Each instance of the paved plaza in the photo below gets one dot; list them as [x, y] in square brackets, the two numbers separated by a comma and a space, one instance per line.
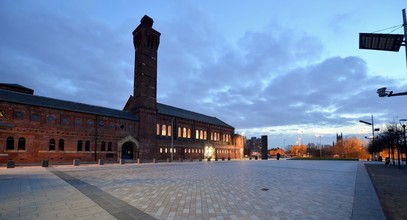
[240, 189]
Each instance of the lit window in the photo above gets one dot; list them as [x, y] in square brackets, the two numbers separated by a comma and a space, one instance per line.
[196, 134]
[184, 132]
[169, 130]
[164, 130]
[204, 137]
[189, 133]
[161, 150]
[201, 134]
[179, 132]
[175, 150]
[165, 150]
[158, 129]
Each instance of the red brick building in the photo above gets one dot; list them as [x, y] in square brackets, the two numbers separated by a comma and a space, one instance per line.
[35, 128]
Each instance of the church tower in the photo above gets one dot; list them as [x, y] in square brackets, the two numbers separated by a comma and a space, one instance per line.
[143, 103]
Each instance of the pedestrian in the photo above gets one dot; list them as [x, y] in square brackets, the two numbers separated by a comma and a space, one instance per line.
[278, 156]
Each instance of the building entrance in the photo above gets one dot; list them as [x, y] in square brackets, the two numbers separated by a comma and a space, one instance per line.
[127, 151]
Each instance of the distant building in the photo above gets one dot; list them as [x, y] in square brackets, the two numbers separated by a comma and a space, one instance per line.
[257, 147]
[35, 128]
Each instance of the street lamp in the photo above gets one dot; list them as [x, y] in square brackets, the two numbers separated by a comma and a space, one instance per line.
[403, 123]
[385, 42]
[373, 130]
[382, 92]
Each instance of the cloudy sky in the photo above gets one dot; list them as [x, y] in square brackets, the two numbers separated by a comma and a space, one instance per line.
[286, 69]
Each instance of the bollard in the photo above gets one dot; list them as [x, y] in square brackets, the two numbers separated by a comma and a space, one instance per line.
[101, 162]
[76, 162]
[44, 163]
[138, 161]
[10, 164]
[154, 160]
[168, 160]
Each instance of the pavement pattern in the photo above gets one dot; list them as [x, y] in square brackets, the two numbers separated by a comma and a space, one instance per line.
[239, 189]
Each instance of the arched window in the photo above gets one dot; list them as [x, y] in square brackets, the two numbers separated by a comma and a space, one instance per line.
[109, 146]
[51, 145]
[87, 146]
[103, 146]
[197, 134]
[158, 129]
[61, 145]
[10, 143]
[189, 133]
[79, 146]
[164, 130]
[21, 143]
[204, 137]
[184, 132]
[179, 132]
[169, 130]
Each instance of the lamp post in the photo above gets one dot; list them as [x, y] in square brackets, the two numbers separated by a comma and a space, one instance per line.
[372, 124]
[385, 42]
[403, 123]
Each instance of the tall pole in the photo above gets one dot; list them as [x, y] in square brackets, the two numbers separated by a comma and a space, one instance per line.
[405, 31]
[405, 144]
[172, 139]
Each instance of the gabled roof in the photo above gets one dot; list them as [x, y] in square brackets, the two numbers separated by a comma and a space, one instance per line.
[182, 113]
[21, 98]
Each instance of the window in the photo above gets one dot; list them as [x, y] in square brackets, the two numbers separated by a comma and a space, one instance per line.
[79, 146]
[197, 134]
[204, 136]
[10, 143]
[2, 113]
[189, 133]
[103, 146]
[65, 120]
[61, 145]
[21, 143]
[161, 150]
[78, 121]
[51, 118]
[91, 122]
[169, 133]
[179, 132]
[87, 146]
[109, 146]
[158, 129]
[51, 145]
[35, 117]
[164, 130]
[184, 132]
[19, 115]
